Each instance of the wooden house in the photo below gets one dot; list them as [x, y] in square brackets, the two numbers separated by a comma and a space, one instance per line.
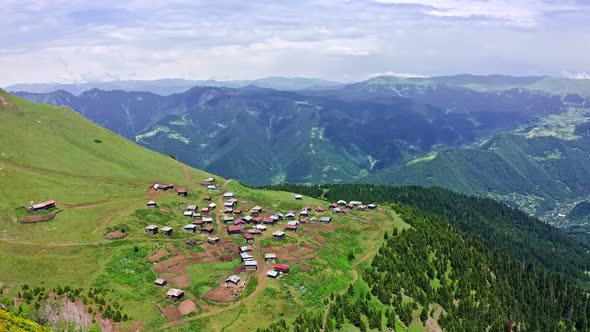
[198, 223]
[278, 235]
[161, 282]
[167, 230]
[152, 229]
[207, 198]
[182, 192]
[249, 238]
[291, 228]
[270, 257]
[251, 265]
[245, 248]
[272, 273]
[163, 187]
[281, 268]
[190, 228]
[232, 230]
[175, 294]
[372, 206]
[207, 220]
[303, 213]
[190, 242]
[246, 256]
[151, 204]
[247, 219]
[255, 231]
[188, 213]
[228, 195]
[228, 219]
[191, 207]
[237, 211]
[326, 219]
[207, 229]
[213, 239]
[233, 279]
[320, 209]
[298, 197]
[341, 202]
[260, 227]
[43, 205]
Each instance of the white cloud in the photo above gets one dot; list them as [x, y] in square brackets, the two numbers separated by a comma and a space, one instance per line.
[396, 74]
[77, 40]
[575, 76]
[521, 12]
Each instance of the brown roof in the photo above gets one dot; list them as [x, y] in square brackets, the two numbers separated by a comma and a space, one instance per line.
[234, 228]
[181, 190]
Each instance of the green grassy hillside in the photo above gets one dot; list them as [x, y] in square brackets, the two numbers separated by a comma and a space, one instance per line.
[101, 183]
[70, 273]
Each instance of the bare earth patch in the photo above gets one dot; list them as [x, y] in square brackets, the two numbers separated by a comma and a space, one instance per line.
[304, 267]
[34, 219]
[4, 102]
[118, 234]
[186, 307]
[220, 294]
[180, 281]
[177, 269]
[170, 312]
[319, 239]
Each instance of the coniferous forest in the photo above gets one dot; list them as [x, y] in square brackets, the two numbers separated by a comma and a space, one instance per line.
[471, 263]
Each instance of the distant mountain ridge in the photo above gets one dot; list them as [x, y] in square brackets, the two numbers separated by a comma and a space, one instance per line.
[261, 135]
[170, 86]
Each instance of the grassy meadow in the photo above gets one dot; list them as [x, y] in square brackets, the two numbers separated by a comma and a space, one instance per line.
[102, 182]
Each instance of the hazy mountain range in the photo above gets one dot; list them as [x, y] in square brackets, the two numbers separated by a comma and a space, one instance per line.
[428, 131]
[170, 86]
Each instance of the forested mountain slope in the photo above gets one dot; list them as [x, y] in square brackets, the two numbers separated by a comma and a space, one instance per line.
[262, 136]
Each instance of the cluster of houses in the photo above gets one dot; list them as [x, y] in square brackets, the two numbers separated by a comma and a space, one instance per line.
[252, 265]
[257, 221]
[173, 294]
[153, 230]
[342, 206]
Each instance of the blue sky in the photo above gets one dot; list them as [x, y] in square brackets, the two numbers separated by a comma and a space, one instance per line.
[80, 41]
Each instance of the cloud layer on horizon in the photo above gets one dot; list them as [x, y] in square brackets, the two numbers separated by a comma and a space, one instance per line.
[76, 40]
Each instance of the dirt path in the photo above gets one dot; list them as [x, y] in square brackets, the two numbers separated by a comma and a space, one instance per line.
[219, 212]
[187, 174]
